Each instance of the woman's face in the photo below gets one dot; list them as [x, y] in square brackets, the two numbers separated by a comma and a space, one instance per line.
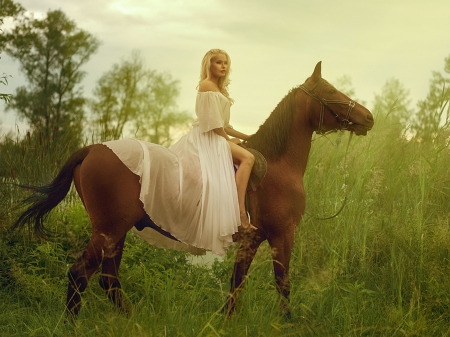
[219, 66]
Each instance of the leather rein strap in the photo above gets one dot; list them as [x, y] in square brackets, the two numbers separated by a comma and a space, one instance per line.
[344, 123]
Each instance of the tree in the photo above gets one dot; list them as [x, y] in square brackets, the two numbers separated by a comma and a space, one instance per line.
[51, 52]
[393, 103]
[10, 8]
[7, 8]
[430, 115]
[116, 97]
[137, 99]
[158, 112]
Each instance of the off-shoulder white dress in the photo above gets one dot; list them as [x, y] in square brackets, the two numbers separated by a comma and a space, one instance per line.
[189, 189]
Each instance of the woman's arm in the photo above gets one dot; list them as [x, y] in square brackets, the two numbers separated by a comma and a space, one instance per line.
[226, 132]
[234, 133]
[221, 132]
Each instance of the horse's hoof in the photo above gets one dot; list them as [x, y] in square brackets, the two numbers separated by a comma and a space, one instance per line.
[127, 310]
[287, 316]
[71, 318]
[228, 309]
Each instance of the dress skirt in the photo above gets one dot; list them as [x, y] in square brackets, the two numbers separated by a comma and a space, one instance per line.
[188, 190]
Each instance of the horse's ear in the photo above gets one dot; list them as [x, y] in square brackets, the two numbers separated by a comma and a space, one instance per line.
[317, 74]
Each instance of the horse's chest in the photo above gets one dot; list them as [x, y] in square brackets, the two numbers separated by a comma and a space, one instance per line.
[286, 182]
[281, 198]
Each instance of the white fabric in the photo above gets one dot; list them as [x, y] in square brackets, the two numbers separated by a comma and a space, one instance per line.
[188, 189]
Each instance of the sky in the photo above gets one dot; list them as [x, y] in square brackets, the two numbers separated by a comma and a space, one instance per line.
[273, 44]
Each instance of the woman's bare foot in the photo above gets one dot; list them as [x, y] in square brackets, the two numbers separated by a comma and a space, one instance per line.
[245, 223]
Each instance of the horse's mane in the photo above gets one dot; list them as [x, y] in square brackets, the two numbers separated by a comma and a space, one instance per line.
[272, 136]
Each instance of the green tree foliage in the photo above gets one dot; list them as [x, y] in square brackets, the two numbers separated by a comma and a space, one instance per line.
[51, 52]
[393, 103]
[434, 110]
[7, 8]
[142, 101]
[158, 112]
[10, 8]
[116, 97]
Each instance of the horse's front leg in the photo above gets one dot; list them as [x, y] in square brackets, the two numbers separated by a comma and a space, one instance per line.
[281, 245]
[248, 245]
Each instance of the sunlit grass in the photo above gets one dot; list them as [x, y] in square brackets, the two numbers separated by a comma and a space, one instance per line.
[380, 268]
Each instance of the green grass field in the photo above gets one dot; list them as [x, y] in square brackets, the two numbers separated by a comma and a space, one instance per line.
[380, 268]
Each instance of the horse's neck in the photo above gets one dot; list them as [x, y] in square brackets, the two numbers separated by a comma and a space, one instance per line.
[299, 144]
[298, 152]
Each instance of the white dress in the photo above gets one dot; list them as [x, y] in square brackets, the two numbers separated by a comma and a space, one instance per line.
[189, 189]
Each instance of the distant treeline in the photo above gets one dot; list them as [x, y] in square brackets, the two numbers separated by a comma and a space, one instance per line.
[128, 99]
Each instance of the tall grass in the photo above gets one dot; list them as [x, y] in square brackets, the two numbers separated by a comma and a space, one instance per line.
[28, 159]
[386, 256]
[380, 268]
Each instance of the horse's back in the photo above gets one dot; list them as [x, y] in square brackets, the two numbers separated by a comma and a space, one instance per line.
[129, 151]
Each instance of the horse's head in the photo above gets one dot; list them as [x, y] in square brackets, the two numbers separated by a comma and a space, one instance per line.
[331, 110]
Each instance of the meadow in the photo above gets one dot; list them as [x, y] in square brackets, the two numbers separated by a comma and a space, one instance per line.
[380, 268]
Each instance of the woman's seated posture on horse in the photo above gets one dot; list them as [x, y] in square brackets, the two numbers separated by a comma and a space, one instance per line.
[191, 190]
[214, 78]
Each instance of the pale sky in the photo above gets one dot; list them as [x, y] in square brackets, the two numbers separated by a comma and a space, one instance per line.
[274, 44]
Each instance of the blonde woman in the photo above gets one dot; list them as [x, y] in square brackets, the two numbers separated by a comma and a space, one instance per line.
[214, 80]
[191, 190]
[210, 142]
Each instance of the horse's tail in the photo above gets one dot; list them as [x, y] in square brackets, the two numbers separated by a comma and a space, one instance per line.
[45, 198]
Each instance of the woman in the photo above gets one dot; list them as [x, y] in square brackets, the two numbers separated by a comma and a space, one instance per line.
[214, 78]
[209, 142]
[191, 190]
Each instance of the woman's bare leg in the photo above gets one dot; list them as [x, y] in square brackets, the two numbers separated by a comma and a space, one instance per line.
[245, 160]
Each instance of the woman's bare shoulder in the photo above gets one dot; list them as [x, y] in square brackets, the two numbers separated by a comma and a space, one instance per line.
[207, 85]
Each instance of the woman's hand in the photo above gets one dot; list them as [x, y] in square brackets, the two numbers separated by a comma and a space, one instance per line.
[235, 141]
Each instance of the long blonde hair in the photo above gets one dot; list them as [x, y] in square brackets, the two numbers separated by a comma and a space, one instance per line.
[205, 71]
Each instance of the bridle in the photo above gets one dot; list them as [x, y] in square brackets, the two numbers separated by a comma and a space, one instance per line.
[344, 123]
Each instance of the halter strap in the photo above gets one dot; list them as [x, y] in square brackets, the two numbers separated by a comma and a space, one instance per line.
[344, 123]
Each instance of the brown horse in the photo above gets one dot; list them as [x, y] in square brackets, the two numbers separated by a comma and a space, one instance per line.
[110, 191]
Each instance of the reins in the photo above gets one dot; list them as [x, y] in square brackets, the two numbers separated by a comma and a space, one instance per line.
[344, 124]
[344, 184]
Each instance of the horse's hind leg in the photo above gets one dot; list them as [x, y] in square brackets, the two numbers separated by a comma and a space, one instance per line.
[81, 271]
[248, 246]
[109, 278]
[110, 193]
[102, 247]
